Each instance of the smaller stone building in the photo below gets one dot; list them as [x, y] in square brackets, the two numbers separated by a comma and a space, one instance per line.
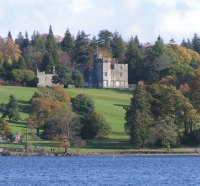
[45, 79]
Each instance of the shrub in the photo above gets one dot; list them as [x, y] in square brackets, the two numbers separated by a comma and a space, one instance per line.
[83, 104]
[94, 125]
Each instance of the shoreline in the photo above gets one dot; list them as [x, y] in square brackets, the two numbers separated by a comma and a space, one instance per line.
[7, 152]
[142, 154]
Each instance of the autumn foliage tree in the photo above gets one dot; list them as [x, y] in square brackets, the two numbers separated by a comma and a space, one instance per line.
[52, 112]
[45, 102]
[160, 115]
[63, 126]
[9, 50]
[42, 109]
[54, 92]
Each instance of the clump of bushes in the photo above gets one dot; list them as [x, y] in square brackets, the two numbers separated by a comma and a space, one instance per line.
[93, 124]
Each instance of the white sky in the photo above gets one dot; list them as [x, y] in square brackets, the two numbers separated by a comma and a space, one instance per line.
[146, 18]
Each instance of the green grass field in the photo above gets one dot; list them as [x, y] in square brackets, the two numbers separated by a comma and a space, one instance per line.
[108, 102]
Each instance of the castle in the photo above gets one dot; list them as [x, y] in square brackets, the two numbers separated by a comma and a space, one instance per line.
[107, 73]
[45, 79]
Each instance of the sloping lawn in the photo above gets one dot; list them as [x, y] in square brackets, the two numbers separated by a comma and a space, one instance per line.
[109, 102]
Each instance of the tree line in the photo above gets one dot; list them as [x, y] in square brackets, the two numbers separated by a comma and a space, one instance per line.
[20, 58]
[164, 110]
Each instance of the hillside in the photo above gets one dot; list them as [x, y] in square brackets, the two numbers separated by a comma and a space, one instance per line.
[109, 102]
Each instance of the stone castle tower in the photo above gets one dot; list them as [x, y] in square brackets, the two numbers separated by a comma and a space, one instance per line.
[45, 79]
[107, 73]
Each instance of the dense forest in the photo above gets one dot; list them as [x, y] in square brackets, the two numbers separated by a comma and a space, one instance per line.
[164, 110]
[20, 58]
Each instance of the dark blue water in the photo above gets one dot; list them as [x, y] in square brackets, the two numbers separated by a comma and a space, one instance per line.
[136, 171]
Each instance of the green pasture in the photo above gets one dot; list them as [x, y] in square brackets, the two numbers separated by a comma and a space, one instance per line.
[109, 102]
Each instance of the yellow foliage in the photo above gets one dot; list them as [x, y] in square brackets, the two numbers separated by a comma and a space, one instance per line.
[46, 107]
[197, 72]
[105, 53]
[9, 50]
[101, 53]
[9, 61]
[61, 95]
[167, 80]
[185, 55]
[141, 84]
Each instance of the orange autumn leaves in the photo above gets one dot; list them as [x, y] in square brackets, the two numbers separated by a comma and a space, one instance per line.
[47, 107]
[46, 103]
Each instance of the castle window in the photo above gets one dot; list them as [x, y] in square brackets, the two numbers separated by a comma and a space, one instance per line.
[121, 74]
[106, 73]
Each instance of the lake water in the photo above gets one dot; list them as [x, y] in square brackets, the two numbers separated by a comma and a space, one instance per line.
[136, 171]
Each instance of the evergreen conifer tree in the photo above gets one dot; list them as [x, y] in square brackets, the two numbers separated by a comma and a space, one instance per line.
[196, 43]
[12, 109]
[138, 117]
[9, 35]
[52, 49]
[26, 40]
[81, 50]
[104, 39]
[20, 40]
[67, 43]
[117, 45]
[134, 61]
[21, 64]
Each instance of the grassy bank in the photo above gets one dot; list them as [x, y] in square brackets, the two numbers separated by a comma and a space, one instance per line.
[108, 102]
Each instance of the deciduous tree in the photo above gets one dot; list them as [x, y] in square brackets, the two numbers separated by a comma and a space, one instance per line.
[42, 109]
[63, 126]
